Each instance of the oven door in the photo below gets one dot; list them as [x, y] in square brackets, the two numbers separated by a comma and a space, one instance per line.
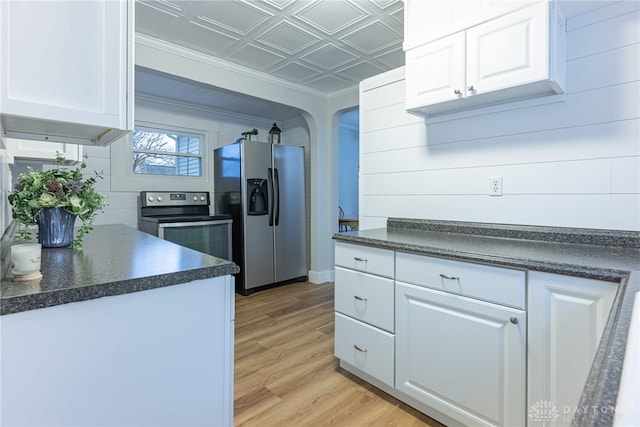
[210, 237]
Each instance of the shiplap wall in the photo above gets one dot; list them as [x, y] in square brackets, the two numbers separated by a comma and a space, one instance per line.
[570, 160]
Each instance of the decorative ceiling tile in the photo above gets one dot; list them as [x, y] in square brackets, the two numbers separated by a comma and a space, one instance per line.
[151, 20]
[331, 16]
[398, 15]
[296, 72]
[328, 84]
[330, 44]
[255, 57]
[199, 37]
[372, 38]
[279, 4]
[288, 38]
[392, 58]
[233, 15]
[360, 71]
[329, 57]
[383, 4]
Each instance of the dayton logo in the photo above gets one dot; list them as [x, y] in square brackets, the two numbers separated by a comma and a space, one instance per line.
[543, 411]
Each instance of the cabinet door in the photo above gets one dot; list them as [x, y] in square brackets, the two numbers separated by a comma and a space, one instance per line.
[566, 318]
[26, 149]
[435, 72]
[463, 357]
[66, 62]
[508, 51]
[426, 21]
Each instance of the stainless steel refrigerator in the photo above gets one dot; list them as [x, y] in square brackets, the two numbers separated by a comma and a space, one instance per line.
[262, 187]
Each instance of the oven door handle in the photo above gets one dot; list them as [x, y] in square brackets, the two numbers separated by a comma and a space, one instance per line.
[270, 195]
[193, 223]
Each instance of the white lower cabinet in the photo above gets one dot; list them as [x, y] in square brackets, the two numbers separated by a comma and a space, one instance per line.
[465, 358]
[364, 322]
[365, 347]
[466, 343]
[365, 297]
[567, 316]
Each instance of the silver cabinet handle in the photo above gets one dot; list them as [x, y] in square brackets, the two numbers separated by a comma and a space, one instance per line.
[471, 88]
[360, 259]
[448, 277]
[363, 350]
[457, 92]
[513, 320]
[359, 298]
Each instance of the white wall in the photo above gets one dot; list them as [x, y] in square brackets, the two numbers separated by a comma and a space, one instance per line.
[571, 163]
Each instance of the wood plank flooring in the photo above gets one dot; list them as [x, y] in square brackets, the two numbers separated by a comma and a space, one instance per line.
[286, 373]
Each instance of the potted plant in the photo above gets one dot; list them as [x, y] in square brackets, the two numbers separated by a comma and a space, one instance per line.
[52, 200]
[247, 134]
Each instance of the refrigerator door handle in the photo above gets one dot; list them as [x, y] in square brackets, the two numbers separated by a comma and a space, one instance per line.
[273, 194]
[276, 186]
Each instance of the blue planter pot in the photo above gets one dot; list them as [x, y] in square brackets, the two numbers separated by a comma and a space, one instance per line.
[55, 227]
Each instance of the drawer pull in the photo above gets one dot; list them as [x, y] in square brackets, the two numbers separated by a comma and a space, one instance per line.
[363, 350]
[360, 259]
[359, 298]
[448, 277]
[514, 320]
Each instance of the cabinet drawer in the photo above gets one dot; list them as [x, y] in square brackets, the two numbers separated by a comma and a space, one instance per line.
[365, 347]
[364, 258]
[495, 284]
[365, 297]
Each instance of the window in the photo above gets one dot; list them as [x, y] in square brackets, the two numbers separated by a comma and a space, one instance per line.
[161, 152]
[171, 149]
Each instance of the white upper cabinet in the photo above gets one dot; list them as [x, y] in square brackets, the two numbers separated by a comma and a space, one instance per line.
[426, 21]
[45, 151]
[435, 72]
[66, 73]
[516, 56]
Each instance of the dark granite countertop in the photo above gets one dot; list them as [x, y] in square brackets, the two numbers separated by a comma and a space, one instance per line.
[598, 254]
[115, 260]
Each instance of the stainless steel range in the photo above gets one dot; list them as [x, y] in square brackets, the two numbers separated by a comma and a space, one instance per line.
[184, 218]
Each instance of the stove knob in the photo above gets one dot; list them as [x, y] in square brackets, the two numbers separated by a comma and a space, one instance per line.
[150, 198]
[195, 198]
[159, 198]
[202, 198]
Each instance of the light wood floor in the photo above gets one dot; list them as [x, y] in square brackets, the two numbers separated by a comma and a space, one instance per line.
[286, 373]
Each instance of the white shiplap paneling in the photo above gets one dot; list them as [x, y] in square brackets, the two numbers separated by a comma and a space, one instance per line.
[572, 161]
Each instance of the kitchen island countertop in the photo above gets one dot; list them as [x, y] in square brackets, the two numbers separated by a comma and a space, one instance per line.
[115, 260]
[596, 254]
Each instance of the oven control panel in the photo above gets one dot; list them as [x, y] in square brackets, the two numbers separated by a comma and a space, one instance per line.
[174, 198]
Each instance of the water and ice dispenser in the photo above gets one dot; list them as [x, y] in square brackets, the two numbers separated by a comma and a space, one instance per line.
[257, 196]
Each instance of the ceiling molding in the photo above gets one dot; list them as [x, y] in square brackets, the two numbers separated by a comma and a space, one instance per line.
[175, 49]
[217, 112]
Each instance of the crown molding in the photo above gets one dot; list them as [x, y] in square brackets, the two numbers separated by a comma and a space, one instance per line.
[218, 113]
[191, 54]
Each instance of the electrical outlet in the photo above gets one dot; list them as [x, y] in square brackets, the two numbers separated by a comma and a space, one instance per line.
[495, 186]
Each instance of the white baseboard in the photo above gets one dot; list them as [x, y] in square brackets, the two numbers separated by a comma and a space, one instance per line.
[318, 277]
